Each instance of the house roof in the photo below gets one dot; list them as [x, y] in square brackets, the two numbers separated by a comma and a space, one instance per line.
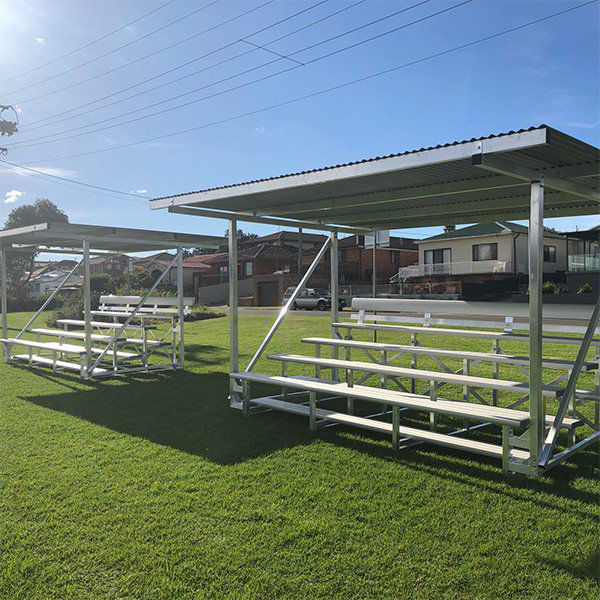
[288, 236]
[263, 251]
[484, 179]
[483, 229]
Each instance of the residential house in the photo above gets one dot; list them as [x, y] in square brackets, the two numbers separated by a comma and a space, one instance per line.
[481, 258]
[50, 279]
[355, 261]
[109, 264]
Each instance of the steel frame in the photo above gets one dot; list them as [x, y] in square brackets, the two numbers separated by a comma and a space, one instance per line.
[81, 240]
[520, 193]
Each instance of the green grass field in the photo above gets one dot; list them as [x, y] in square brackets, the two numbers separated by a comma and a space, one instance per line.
[152, 488]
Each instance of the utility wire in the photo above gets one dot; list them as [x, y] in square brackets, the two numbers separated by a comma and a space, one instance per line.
[185, 64]
[89, 185]
[141, 58]
[50, 62]
[329, 89]
[36, 141]
[135, 41]
[43, 177]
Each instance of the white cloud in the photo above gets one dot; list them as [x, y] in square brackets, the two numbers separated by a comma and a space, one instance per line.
[583, 124]
[138, 191]
[58, 172]
[259, 130]
[40, 40]
[12, 196]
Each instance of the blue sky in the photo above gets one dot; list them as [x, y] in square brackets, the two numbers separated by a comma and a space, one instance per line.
[547, 73]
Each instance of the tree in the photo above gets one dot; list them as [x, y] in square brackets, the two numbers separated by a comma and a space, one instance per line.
[242, 236]
[19, 265]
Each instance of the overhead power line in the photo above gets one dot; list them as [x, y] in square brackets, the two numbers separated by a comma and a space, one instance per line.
[72, 181]
[135, 41]
[329, 89]
[44, 139]
[187, 63]
[54, 60]
[141, 58]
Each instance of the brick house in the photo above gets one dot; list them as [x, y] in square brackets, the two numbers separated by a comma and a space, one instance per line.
[355, 262]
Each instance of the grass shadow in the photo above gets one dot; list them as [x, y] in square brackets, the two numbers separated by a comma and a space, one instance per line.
[186, 411]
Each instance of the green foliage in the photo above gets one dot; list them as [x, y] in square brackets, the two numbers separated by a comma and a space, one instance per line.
[585, 288]
[20, 265]
[200, 312]
[34, 304]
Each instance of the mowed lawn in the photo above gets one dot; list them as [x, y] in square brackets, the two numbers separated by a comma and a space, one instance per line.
[152, 488]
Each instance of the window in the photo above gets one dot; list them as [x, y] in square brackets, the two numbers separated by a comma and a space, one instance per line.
[248, 268]
[224, 270]
[394, 257]
[440, 255]
[550, 254]
[485, 252]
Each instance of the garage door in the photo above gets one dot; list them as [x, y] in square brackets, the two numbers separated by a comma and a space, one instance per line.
[268, 293]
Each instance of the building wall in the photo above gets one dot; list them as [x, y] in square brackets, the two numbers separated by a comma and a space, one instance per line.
[462, 250]
[523, 254]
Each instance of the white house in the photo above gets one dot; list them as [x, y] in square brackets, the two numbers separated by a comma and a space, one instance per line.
[47, 282]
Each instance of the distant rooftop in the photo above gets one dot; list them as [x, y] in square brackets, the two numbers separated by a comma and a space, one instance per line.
[481, 229]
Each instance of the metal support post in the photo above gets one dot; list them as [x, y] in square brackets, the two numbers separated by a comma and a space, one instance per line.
[374, 273]
[87, 308]
[536, 272]
[4, 301]
[283, 311]
[233, 295]
[300, 254]
[335, 293]
[181, 308]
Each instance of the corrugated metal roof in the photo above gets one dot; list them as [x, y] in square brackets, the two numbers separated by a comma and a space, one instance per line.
[450, 183]
[114, 239]
[356, 162]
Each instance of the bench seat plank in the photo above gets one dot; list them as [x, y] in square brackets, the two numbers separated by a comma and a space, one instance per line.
[139, 314]
[52, 346]
[451, 378]
[493, 414]
[554, 339]
[63, 364]
[552, 363]
[102, 324]
[97, 337]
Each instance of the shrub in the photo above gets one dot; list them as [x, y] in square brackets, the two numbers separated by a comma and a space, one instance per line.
[201, 312]
[585, 288]
[34, 304]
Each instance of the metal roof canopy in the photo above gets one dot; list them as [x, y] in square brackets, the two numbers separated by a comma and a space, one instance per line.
[479, 180]
[69, 237]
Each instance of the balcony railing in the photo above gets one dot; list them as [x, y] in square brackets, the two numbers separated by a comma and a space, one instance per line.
[457, 268]
[584, 262]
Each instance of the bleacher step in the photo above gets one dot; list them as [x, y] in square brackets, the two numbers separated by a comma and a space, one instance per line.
[386, 428]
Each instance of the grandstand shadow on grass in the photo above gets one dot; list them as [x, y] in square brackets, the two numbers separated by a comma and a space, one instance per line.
[186, 411]
[190, 412]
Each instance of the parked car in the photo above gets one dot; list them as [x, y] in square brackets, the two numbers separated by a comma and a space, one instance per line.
[311, 298]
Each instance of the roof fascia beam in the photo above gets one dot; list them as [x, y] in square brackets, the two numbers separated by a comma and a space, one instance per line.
[506, 167]
[200, 212]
